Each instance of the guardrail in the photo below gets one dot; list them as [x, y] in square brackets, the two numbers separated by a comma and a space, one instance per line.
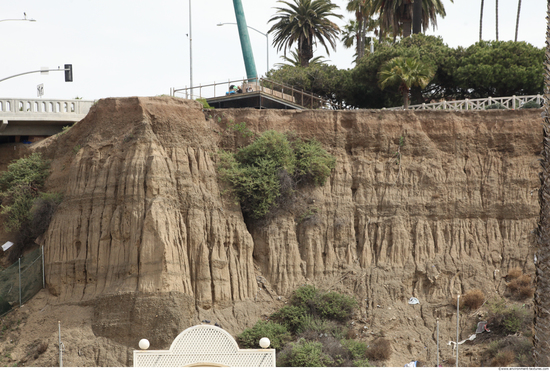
[17, 106]
[274, 88]
[512, 102]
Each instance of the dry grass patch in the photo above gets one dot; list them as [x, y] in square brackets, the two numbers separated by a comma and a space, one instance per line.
[473, 299]
[514, 273]
[503, 359]
[521, 286]
[379, 350]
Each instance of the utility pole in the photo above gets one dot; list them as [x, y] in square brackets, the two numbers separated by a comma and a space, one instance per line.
[190, 52]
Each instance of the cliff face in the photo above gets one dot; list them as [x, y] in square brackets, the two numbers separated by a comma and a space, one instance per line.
[424, 204]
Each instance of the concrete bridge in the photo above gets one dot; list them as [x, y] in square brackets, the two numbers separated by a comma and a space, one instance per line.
[39, 117]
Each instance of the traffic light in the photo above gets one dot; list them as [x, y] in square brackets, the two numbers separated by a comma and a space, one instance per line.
[68, 73]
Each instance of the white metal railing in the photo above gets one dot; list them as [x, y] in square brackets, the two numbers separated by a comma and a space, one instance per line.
[17, 106]
[513, 102]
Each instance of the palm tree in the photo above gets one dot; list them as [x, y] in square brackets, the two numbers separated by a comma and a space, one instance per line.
[351, 35]
[405, 72]
[481, 20]
[363, 10]
[305, 22]
[399, 13]
[294, 60]
[542, 263]
[517, 20]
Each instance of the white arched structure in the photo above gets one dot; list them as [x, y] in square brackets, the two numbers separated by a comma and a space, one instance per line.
[205, 345]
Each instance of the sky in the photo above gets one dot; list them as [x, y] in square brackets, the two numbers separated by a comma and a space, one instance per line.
[124, 48]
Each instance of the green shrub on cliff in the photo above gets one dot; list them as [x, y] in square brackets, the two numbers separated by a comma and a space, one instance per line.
[26, 209]
[308, 303]
[270, 169]
[312, 331]
[277, 334]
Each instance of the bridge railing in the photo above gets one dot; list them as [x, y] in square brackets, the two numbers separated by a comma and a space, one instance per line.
[17, 106]
[513, 102]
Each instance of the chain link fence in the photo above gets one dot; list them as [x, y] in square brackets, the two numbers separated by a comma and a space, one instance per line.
[21, 281]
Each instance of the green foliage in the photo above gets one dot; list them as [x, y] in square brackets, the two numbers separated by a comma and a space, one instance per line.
[531, 104]
[304, 353]
[204, 103]
[257, 170]
[514, 319]
[277, 334]
[305, 23]
[500, 68]
[307, 300]
[27, 210]
[356, 348]
[304, 296]
[508, 319]
[312, 161]
[318, 325]
[479, 71]
[19, 188]
[31, 171]
[323, 80]
[16, 205]
[242, 129]
[406, 73]
[363, 90]
[495, 106]
[336, 306]
[291, 316]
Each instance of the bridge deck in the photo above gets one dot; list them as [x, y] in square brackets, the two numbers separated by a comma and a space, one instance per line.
[19, 116]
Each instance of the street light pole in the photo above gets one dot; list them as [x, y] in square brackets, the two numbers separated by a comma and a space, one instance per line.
[190, 51]
[23, 19]
[266, 41]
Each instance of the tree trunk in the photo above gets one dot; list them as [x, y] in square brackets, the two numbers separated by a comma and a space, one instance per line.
[517, 20]
[406, 98]
[406, 28]
[481, 20]
[496, 17]
[416, 95]
[542, 264]
[305, 51]
[361, 36]
[417, 16]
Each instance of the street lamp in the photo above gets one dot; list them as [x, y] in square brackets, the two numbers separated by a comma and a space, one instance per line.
[22, 19]
[266, 40]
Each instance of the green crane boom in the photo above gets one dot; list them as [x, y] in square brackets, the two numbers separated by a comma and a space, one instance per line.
[245, 41]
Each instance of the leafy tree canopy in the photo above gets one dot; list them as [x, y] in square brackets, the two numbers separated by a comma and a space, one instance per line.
[484, 69]
[500, 69]
[321, 79]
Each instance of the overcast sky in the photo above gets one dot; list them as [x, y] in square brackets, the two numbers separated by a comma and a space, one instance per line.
[128, 48]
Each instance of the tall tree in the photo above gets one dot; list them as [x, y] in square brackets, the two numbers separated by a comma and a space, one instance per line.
[363, 10]
[496, 12]
[542, 264]
[354, 33]
[398, 14]
[417, 16]
[405, 72]
[305, 22]
[517, 20]
[481, 20]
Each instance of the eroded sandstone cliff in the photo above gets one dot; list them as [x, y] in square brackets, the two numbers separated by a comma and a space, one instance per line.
[423, 204]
